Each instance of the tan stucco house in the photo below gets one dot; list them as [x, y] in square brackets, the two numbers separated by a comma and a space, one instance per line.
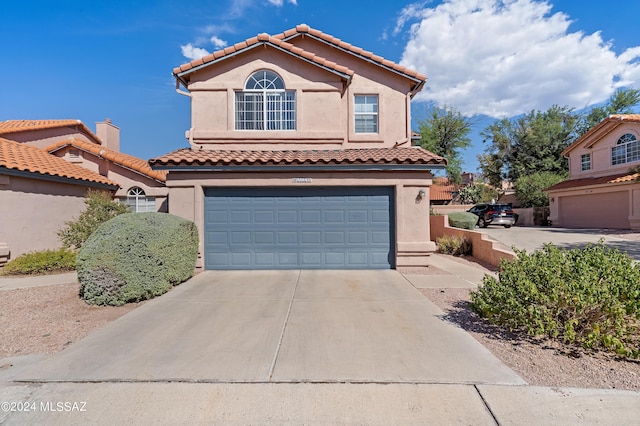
[46, 168]
[601, 191]
[300, 156]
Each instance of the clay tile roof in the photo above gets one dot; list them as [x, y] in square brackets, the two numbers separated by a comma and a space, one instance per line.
[129, 161]
[442, 189]
[14, 126]
[188, 157]
[305, 29]
[26, 158]
[592, 181]
[267, 39]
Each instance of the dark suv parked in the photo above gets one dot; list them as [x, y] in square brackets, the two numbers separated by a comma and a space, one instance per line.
[494, 214]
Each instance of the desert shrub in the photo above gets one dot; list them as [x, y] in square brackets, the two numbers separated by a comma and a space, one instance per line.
[41, 262]
[463, 220]
[100, 208]
[135, 257]
[589, 297]
[454, 245]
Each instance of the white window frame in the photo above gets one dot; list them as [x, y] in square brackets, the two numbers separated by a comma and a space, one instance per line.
[138, 202]
[627, 150]
[265, 104]
[585, 162]
[370, 117]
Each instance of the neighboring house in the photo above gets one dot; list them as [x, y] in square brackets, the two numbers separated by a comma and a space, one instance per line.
[47, 167]
[601, 192]
[39, 192]
[443, 191]
[300, 157]
[141, 188]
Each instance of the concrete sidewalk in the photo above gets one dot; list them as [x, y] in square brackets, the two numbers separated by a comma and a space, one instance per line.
[12, 283]
[192, 401]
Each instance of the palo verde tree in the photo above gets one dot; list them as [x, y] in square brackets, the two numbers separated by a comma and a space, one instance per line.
[445, 132]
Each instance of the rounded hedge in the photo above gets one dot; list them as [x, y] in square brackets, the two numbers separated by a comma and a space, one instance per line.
[136, 256]
[463, 220]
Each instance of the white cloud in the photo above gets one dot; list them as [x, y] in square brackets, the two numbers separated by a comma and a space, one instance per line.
[503, 58]
[189, 51]
[218, 43]
[279, 3]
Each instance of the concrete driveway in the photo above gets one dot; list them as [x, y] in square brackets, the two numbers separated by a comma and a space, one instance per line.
[533, 238]
[281, 326]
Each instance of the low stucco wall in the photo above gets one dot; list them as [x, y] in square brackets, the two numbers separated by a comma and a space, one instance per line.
[483, 247]
[449, 208]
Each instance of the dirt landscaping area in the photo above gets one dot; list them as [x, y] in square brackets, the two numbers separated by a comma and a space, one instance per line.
[45, 320]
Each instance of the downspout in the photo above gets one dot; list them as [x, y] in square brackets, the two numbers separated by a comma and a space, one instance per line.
[190, 138]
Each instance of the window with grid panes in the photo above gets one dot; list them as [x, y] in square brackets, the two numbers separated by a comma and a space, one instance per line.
[627, 150]
[265, 104]
[366, 113]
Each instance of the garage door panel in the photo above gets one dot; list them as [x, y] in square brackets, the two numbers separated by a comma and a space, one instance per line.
[287, 228]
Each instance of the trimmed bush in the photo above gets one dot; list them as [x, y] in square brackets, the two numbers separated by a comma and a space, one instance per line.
[137, 256]
[589, 297]
[41, 262]
[463, 220]
[454, 245]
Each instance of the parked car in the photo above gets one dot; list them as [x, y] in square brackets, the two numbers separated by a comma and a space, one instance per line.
[494, 214]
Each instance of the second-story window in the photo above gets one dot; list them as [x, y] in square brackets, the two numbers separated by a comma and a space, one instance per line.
[265, 104]
[585, 162]
[627, 150]
[366, 113]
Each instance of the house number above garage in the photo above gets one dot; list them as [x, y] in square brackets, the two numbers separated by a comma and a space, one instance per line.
[301, 180]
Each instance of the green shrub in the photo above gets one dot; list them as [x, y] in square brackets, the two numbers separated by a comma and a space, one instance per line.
[100, 208]
[454, 245]
[463, 220]
[135, 257]
[41, 262]
[589, 297]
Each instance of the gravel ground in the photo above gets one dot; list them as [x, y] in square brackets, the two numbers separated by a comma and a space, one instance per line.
[541, 362]
[44, 320]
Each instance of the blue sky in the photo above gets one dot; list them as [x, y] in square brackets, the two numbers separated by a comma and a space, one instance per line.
[489, 59]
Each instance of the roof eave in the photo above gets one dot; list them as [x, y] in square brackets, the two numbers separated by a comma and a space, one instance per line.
[54, 178]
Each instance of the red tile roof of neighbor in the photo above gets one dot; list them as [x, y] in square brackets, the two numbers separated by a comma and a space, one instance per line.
[591, 181]
[128, 161]
[15, 126]
[280, 40]
[187, 156]
[442, 190]
[26, 158]
[606, 125]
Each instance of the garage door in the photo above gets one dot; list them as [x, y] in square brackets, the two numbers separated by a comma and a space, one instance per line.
[607, 210]
[290, 228]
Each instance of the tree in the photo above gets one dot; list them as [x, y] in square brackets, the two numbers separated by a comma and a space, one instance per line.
[528, 144]
[621, 102]
[477, 193]
[530, 188]
[100, 208]
[534, 142]
[445, 132]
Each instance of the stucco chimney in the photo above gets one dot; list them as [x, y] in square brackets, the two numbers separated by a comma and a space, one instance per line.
[109, 134]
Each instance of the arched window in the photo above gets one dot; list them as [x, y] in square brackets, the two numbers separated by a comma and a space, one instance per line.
[265, 104]
[138, 202]
[627, 150]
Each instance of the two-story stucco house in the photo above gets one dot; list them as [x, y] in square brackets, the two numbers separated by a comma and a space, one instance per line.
[601, 192]
[300, 157]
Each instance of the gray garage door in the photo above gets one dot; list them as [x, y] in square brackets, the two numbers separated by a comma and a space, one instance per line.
[290, 228]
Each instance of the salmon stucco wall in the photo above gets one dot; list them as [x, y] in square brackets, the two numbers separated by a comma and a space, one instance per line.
[32, 211]
[483, 247]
